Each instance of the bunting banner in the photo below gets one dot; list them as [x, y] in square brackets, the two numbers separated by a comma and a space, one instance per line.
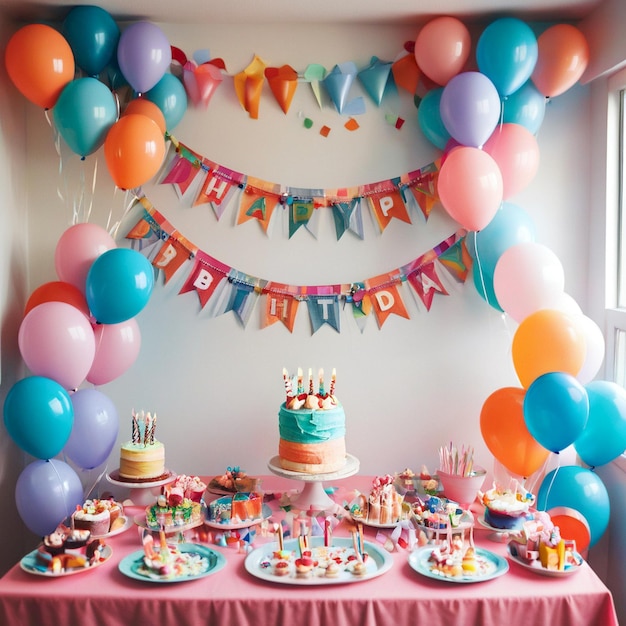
[222, 289]
[208, 182]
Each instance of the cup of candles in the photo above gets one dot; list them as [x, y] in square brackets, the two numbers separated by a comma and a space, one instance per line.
[460, 479]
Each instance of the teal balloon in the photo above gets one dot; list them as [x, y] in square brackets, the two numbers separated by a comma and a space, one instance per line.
[556, 410]
[170, 96]
[580, 489]
[84, 113]
[93, 36]
[429, 119]
[483, 281]
[118, 286]
[526, 107]
[38, 415]
[507, 53]
[604, 436]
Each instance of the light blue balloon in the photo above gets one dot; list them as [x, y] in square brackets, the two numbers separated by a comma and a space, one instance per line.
[526, 107]
[170, 96]
[510, 225]
[580, 489]
[483, 281]
[84, 113]
[38, 416]
[93, 36]
[604, 437]
[429, 119]
[556, 409]
[507, 53]
[118, 286]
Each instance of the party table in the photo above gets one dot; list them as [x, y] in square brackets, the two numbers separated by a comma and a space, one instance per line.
[107, 597]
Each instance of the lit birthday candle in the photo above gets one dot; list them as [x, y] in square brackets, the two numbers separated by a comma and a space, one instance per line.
[300, 383]
[333, 380]
[311, 390]
[287, 381]
[320, 388]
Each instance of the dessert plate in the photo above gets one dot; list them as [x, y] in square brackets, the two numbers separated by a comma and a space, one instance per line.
[360, 520]
[492, 566]
[266, 513]
[31, 564]
[538, 569]
[133, 565]
[484, 524]
[378, 562]
[140, 520]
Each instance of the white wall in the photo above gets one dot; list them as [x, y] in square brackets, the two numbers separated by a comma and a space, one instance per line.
[407, 388]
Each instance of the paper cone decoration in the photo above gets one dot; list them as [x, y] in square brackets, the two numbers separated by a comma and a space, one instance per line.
[283, 82]
[201, 81]
[338, 84]
[248, 86]
[406, 73]
[375, 78]
[315, 74]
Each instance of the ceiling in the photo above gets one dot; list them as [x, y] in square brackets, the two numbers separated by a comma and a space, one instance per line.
[292, 11]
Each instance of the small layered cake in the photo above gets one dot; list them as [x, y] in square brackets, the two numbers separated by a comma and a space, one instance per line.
[312, 428]
[234, 479]
[236, 509]
[507, 509]
[383, 504]
[143, 457]
[99, 517]
[175, 507]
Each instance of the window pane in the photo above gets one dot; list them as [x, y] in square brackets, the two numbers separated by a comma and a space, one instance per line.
[621, 292]
[619, 364]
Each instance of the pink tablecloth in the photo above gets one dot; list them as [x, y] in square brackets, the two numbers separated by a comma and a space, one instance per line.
[106, 597]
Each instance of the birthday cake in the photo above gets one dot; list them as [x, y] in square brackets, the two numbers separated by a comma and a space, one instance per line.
[143, 457]
[312, 428]
[507, 508]
[179, 505]
[236, 509]
[99, 517]
[383, 504]
[233, 480]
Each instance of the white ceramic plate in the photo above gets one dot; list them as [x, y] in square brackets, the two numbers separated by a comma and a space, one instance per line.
[360, 520]
[266, 512]
[31, 564]
[493, 565]
[542, 571]
[378, 562]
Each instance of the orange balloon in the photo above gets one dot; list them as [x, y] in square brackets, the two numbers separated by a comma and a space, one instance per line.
[548, 341]
[442, 48]
[573, 525]
[143, 106]
[57, 291]
[40, 62]
[134, 150]
[504, 430]
[562, 56]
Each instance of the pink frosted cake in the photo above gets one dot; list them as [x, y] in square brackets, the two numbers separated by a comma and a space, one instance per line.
[507, 509]
[383, 504]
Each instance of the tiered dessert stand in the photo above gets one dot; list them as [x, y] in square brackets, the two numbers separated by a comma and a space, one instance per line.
[143, 492]
[313, 496]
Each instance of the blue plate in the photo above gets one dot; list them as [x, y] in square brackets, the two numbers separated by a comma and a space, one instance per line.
[492, 565]
[133, 565]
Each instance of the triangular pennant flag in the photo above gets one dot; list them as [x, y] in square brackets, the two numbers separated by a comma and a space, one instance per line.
[300, 212]
[171, 256]
[280, 306]
[361, 304]
[141, 230]
[216, 190]
[387, 300]
[338, 84]
[206, 275]
[386, 206]
[257, 204]
[323, 307]
[242, 299]
[248, 86]
[374, 79]
[457, 260]
[348, 216]
[186, 165]
[426, 284]
[283, 82]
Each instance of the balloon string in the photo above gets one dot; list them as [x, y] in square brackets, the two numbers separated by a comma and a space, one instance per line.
[129, 200]
[552, 479]
[91, 489]
[66, 506]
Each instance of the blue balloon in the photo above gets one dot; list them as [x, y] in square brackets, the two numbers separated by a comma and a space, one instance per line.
[84, 113]
[483, 281]
[604, 436]
[118, 286]
[580, 489]
[507, 53]
[429, 119]
[93, 36]
[526, 107]
[170, 96]
[94, 433]
[556, 409]
[38, 416]
[46, 493]
[510, 225]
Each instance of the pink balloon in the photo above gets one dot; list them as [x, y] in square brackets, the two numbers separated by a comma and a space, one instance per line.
[470, 187]
[442, 48]
[528, 277]
[515, 150]
[595, 349]
[117, 348]
[78, 247]
[56, 341]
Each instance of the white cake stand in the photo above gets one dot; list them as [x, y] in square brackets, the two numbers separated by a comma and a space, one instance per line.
[144, 492]
[313, 496]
